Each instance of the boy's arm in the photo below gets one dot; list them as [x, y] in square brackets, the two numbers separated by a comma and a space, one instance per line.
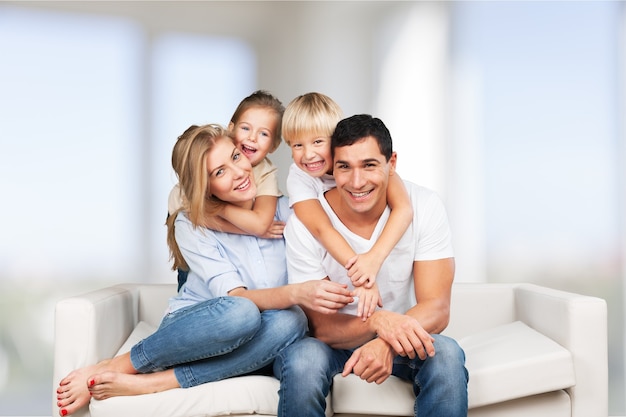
[368, 300]
[315, 219]
[365, 268]
[233, 219]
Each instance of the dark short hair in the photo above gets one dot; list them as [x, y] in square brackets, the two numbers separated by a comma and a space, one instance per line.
[357, 127]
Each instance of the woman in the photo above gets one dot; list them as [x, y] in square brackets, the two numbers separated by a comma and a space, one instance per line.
[235, 313]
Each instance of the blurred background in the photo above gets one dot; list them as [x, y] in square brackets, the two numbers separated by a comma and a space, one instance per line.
[512, 111]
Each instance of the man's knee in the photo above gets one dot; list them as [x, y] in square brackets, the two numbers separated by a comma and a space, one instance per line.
[449, 360]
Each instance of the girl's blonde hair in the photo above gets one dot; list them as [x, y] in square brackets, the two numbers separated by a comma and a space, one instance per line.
[189, 163]
[311, 113]
[262, 99]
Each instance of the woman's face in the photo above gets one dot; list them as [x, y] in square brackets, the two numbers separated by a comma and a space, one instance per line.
[230, 173]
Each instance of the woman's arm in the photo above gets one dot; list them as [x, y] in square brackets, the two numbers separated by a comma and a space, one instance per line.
[322, 296]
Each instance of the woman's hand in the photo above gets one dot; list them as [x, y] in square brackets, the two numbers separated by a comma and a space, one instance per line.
[323, 296]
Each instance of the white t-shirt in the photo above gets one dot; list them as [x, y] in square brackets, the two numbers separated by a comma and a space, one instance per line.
[301, 186]
[427, 238]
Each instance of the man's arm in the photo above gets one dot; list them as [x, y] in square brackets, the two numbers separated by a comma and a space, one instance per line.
[407, 334]
[433, 284]
[433, 287]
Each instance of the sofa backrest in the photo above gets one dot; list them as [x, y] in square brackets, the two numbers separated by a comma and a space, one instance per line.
[476, 307]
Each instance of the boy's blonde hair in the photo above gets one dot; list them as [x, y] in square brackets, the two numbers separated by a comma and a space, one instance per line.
[262, 99]
[311, 113]
[190, 164]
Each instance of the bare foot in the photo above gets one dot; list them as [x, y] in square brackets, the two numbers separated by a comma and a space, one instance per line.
[113, 384]
[73, 393]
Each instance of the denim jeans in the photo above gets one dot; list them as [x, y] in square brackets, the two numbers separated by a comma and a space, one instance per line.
[307, 367]
[216, 339]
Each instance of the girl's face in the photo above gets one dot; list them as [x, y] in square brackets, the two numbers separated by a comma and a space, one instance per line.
[312, 154]
[230, 173]
[254, 132]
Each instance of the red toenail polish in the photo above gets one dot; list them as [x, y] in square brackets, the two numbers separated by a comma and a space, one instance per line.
[63, 412]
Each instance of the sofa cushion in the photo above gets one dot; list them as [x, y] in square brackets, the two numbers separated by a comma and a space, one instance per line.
[254, 394]
[140, 332]
[506, 362]
[235, 396]
[352, 395]
[514, 361]
[245, 395]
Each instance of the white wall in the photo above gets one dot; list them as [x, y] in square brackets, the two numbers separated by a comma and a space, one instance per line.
[405, 62]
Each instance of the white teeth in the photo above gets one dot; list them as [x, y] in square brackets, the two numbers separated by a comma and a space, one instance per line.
[358, 195]
[244, 185]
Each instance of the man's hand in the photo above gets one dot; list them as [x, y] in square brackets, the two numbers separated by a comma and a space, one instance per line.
[372, 362]
[404, 334]
[322, 295]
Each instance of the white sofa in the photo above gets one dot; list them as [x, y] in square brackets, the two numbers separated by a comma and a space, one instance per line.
[531, 351]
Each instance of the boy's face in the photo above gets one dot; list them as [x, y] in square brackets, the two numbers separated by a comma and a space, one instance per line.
[254, 133]
[311, 153]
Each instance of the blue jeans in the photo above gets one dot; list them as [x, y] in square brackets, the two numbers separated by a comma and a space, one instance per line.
[216, 339]
[306, 370]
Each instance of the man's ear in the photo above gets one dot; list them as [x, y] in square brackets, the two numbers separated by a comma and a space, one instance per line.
[392, 163]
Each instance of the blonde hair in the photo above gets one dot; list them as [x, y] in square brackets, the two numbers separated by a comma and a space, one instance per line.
[265, 100]
[311, 113]
[189, 163]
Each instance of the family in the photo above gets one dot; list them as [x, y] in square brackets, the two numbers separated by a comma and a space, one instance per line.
[351, 273]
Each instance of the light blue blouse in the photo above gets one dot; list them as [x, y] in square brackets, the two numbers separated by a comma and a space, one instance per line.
[219, 262]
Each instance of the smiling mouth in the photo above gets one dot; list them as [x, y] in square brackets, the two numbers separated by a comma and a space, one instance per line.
[361, 194]
[247, 149]
[314, 166]
[243, 185]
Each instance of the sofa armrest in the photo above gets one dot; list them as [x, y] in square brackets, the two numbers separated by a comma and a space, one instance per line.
[578, 323]
[89, 328]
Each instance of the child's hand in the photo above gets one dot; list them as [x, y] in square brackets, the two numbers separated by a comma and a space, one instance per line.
[275, 230]
[363, 269]
[369, 298]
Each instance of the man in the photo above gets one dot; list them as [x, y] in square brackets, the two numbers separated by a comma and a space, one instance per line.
[402, 338]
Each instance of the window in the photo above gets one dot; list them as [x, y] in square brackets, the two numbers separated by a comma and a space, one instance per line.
[89, 112]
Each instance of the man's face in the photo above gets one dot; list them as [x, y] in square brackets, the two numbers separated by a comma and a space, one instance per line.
[362, 175]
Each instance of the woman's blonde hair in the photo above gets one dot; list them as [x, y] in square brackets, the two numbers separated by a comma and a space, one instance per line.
[311, 113]
[189, 163]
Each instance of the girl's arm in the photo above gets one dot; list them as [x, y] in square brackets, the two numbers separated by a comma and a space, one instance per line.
[364, 269]
[256, 222]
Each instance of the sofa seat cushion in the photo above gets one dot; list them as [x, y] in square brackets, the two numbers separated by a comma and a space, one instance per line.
[352, 395]
[245, 395]
[506, 362]
[514, 361]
